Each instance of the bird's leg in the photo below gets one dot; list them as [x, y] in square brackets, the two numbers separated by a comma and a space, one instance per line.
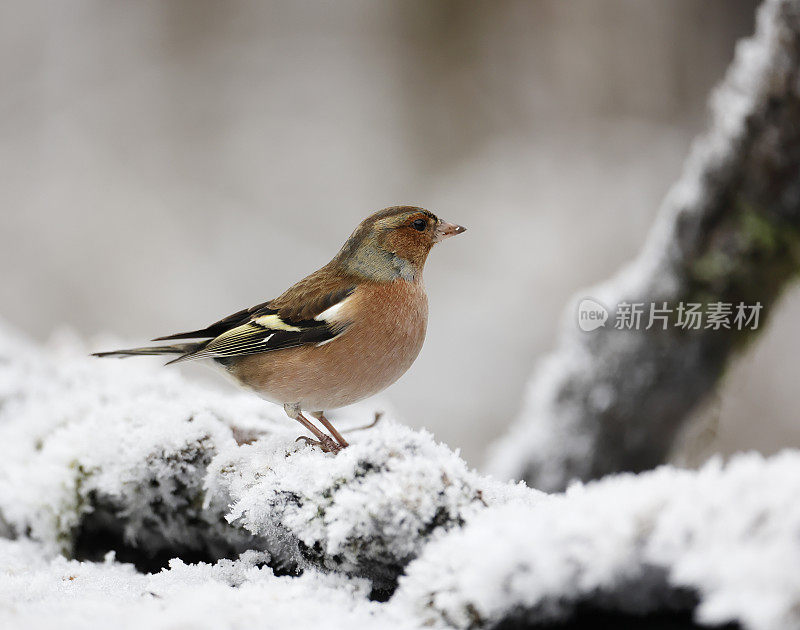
[324, 441]
[320, 415]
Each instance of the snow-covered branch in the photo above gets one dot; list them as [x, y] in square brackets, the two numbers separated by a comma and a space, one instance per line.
[126, 462]
[729, 231]
[116, 455]
[725, 537]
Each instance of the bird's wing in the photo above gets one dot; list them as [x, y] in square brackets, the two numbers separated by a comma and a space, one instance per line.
[217, 328]
[309, 313]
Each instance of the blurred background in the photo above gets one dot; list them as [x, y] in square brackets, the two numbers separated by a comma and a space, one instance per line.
[167, 163]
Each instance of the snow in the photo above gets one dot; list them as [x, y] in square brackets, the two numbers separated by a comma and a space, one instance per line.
[126, 455]
[78, 434]
[111, 467]
[628, 543]
[364, 511]
[727, 535]
[39, 591]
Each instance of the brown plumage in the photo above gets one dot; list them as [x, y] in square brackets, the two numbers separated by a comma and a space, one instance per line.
[343, 333]
[386, 327]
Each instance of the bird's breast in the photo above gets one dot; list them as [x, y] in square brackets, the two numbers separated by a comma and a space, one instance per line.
[386, 324]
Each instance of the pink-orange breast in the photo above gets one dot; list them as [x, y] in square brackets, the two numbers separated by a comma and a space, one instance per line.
[386, 333]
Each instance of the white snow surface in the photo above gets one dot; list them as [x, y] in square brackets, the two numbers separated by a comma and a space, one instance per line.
[159, 454]
[628, 542]
[84, 438]
[38, 591]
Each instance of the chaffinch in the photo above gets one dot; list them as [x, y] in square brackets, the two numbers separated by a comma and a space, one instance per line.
[343, 333]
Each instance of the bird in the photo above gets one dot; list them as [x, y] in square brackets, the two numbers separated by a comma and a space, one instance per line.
[341, 334]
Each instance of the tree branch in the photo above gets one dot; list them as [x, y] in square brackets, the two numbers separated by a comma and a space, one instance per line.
[113, 455]
[729, 231]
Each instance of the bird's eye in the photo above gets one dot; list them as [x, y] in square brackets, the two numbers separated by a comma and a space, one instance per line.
[419, 225]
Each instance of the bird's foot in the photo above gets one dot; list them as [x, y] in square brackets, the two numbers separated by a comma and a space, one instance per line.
[326, 444]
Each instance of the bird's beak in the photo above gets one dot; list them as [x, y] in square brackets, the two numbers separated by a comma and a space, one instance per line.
[446, 230]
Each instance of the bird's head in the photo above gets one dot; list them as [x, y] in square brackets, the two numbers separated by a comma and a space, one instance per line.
[394, 243]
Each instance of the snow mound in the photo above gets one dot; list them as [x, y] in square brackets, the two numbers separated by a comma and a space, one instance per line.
[366, 511]
[39, 592]
[124, 456]
[725, 536]
[96, 452]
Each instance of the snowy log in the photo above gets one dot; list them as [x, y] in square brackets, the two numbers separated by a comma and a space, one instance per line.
[114, 462]
[724, 537]
[729, 231]
[125, 456]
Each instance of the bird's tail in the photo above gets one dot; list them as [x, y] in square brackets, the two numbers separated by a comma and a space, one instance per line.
[182, 349]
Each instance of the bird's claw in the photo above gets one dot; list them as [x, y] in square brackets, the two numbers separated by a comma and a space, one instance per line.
[326, 444]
